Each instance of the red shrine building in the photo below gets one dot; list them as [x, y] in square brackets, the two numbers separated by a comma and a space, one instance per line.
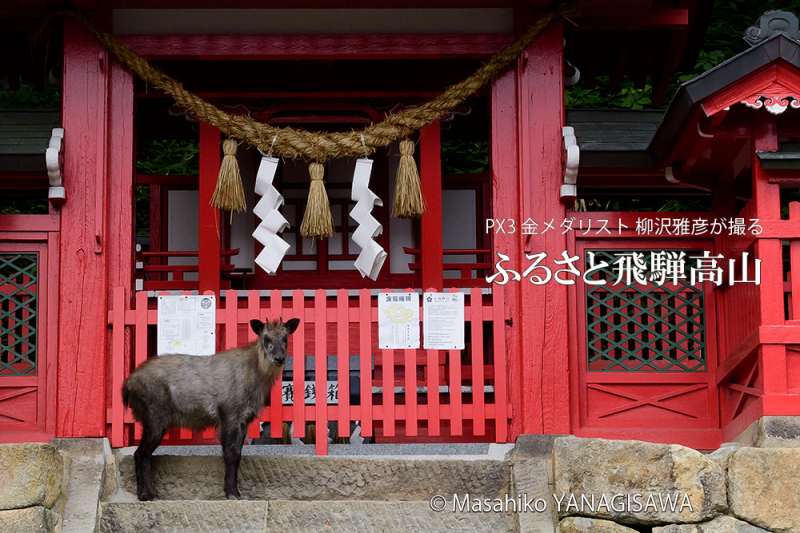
[123, 179]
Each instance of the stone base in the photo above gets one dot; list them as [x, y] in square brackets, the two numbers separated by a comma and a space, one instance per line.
[772, 432]
[581, 524]
[183, 516]
[369, 516]
[736, 489]
[763, 487]
[321, 478]
[30, 475]
[29, 520]
[85, 479]
[721, 524]
[293, 517]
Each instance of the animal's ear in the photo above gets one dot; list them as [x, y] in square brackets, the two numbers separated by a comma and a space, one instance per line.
[257, 326]
[291, 325]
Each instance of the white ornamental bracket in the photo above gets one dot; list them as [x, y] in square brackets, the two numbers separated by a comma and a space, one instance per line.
[372, 256]
[569, 189]
[54, 162]
[272, 221]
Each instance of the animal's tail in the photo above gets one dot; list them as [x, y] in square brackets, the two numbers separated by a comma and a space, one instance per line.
[125, 393]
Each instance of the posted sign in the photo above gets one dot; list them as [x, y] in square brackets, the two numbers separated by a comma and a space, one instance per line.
[186, 324]
[398, 320]
[443, 320]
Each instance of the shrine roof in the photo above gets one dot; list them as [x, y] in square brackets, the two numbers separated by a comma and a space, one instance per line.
[614, 138]
[24, 137]
[691, 93]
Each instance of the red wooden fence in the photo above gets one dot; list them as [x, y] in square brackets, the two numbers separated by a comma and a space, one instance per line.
[458, 394]
[759, 374]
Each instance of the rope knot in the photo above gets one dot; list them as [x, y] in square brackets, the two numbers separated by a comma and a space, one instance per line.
[317, 171]
[406, 147]
[229, 147]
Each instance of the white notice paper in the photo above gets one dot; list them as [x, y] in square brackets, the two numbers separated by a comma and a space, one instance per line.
[398, 320]
[186, 324]
[443, 320]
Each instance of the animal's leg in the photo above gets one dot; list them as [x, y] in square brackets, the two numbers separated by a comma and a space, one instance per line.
[151, 438]
[232, 433]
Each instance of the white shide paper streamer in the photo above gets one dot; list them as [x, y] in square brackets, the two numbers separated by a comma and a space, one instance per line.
[370, 261]
[272, 221]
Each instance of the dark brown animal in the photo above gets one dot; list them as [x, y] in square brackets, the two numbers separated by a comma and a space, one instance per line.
[226, 390]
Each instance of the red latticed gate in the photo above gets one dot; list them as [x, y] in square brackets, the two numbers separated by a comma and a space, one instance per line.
[456, 395]
[646, 353]
[26, 360]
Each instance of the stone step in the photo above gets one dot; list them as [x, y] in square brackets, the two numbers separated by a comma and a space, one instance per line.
[293, 516]
[270, 475]
[183, 516]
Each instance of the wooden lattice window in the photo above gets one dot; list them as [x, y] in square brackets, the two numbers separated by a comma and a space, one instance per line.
[643, 328]
[19, 280]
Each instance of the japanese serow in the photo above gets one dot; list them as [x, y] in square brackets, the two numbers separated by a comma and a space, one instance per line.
[226, 390]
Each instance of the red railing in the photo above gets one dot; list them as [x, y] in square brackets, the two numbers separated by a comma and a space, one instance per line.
[761, 323]
[470, 263]
[156, 273]
[478, 410]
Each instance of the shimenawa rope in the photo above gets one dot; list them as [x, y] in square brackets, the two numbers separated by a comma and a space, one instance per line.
[316, 146]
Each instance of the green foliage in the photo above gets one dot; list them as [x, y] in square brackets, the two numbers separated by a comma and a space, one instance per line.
[723, 39]
[644, 204]
[26, 96]
[178, 157]
[142, 211]
[11, 205]
[599, 95]
[465, 156]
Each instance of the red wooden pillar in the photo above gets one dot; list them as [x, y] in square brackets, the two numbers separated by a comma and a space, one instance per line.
[506, 205]
[544, 357]
[766, 196]
[208, 219]
[84, 242]
[120, 176]
[430, 159]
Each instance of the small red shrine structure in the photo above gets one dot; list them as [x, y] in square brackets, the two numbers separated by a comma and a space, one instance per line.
[689, 364]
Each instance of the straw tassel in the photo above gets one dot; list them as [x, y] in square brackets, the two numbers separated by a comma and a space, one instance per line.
[408, 201]
[229, 193]
[317, 220]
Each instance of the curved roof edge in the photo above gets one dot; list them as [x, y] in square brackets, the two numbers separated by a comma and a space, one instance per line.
[692, 92]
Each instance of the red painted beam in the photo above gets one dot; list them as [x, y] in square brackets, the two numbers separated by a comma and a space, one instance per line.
[209, 243]
[29, 223]
[316, 46]
[600, 18]
[316, 4]
[299, 95]
[430, 158]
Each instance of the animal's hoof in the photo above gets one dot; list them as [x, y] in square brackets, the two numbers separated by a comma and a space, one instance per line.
[146, 496]
[233, 496]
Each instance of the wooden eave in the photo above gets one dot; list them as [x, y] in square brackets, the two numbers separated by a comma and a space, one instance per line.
[690, 109]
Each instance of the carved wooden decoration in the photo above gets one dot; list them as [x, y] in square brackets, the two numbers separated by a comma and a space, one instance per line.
[54, 160]
[775, 102]
[569, 189]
